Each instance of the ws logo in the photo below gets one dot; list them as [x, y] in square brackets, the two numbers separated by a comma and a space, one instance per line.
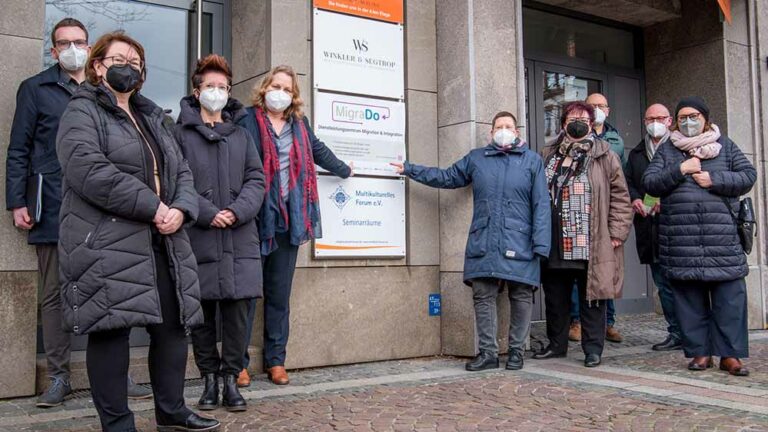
[361, 45]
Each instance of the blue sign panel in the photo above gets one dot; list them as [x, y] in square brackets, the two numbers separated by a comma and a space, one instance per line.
[434, 305]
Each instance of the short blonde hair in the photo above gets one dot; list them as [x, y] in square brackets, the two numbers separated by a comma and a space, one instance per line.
[258, 92]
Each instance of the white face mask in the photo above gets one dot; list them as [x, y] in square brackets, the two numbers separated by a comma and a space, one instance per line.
[599, 116]
[214, 99]
[73, 58]
[656, 129]
[504, 137]
[690, 127]
[277, 100]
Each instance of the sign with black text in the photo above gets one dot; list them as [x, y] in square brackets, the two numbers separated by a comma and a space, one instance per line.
[362, 217]
[369, 132]
[356, 55]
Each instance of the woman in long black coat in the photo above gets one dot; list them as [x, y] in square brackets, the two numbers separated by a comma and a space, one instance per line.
[699, 175]
[124, 259]
[229, 181]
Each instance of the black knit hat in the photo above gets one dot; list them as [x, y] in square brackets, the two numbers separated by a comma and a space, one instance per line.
[693, 102]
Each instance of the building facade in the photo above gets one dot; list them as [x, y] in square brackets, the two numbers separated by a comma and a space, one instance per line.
[464, 61]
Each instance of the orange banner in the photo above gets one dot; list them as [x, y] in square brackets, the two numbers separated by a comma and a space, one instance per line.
[384, 10]
[725, 6]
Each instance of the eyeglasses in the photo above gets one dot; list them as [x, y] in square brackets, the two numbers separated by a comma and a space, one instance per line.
[601, 106]
[691, 116]
[225, 88]
[577, 119]
[659, 119]
[122, 61]
[63, 44]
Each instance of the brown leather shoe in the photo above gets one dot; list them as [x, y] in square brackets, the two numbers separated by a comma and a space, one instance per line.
[733, 366]
[243, 379]
[700, 363]
[574, 333]
[613, 335]
[278, 375]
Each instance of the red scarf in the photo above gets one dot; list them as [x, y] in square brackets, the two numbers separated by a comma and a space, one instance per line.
[301, 168]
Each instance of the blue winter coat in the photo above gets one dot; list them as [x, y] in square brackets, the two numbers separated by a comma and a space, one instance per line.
[697, 235]
[511, 219]
[40, 103]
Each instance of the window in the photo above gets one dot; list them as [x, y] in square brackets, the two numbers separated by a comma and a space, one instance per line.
[162, 30]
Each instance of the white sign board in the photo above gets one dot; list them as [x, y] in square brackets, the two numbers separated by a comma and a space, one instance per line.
[358, 55]
[361, 217]
[368, 132]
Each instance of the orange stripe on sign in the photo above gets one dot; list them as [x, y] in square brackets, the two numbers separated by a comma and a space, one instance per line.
[334, 247]
[725, 6]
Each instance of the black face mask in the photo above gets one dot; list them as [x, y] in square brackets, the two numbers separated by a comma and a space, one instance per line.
[577, 130]
[123, 79]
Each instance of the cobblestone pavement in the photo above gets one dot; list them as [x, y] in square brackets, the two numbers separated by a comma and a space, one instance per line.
[635, 390]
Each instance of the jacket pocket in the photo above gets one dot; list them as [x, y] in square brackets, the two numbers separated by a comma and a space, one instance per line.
[92, 235]
[517, 240]
[477, 242]
[245, 240]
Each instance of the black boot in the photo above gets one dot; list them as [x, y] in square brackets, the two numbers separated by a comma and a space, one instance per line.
[210, 398]
[231, 398]
[485, 360]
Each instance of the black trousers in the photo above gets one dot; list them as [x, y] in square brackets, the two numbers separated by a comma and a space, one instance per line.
[713, 317]
[558, 285]
[234, 326]
[107, 362]
[279, 267]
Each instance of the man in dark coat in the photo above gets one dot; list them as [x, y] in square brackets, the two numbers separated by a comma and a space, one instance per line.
[33, 184]
[646, 209]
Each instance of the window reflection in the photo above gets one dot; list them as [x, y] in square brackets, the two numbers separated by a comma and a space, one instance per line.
[560, 89]
[162, 30]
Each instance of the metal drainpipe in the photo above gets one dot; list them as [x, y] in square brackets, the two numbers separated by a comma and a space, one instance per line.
[199, 19]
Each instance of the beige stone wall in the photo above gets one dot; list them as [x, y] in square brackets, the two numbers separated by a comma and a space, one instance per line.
[21, 43]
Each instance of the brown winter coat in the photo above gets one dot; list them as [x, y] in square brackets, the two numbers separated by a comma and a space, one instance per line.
[611, 218]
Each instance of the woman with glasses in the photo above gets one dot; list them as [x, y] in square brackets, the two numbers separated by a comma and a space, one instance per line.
[229, 182]
[591, 219]
[699, 175]
[124, 259]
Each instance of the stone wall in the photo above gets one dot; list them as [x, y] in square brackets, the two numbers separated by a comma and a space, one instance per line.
[21, 43]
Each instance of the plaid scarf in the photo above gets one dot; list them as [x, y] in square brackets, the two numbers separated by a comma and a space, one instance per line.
[301, 173]
[572, 196]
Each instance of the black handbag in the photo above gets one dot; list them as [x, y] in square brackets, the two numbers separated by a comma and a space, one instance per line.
[745, 222]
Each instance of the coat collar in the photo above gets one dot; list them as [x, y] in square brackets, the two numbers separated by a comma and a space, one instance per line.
[189, 117]
[51, 75]
[491, 150]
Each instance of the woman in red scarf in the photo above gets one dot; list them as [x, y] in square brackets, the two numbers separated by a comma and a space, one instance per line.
[290, 215]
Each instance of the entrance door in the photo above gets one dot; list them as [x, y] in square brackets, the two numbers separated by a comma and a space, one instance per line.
[168, 31]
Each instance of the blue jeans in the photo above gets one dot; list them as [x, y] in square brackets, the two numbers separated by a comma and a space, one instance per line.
[667, 301]
[610, 315]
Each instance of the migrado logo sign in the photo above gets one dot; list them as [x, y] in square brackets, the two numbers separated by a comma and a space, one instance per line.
[347, 112]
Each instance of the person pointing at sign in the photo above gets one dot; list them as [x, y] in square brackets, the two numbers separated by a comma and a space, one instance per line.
[509, 234]
[290, 215]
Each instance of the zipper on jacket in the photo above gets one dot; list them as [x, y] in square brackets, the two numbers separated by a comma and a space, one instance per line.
[91, 237]
[179, 288]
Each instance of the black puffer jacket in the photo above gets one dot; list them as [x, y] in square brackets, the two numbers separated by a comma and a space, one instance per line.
[228, 175]
[697, 235]
[106, 262]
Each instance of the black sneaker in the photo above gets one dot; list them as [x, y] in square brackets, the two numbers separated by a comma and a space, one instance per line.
[485, 360]
[138, 391]
[55, 394]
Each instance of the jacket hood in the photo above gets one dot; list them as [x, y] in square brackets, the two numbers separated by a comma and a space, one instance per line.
[106, 99]
[190, 117]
